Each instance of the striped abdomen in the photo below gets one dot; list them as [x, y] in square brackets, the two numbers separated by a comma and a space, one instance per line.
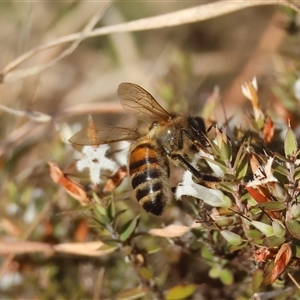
[149, 171]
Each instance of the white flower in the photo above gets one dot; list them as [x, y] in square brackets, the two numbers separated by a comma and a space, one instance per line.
[95, 160]
[263, 174]
[212, 197]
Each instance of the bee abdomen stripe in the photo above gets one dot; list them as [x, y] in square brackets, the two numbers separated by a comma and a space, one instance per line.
[154, 204]
[145, 175]
[143, 162]
[148, 190]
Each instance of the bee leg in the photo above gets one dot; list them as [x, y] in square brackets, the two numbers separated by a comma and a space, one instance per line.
[205, 179]
[203, 141]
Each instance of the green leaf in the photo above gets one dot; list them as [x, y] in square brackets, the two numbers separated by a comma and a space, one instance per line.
[242, 167]
[296, 251]
[297, 173]
[257, 279]
[226, 277]
[279, 228]
[273, 241]
[293, 227]
[281, 170]
[207, 254]
[272, 206]
[128, 229]
[231, 237]
[100, 210]
[102, 223]
[290, 143]
[295, 211]
[254, 234]
[225, 147]
[180, 292]
[234, 248]
[146, 273]
[111, 210]
[266, 229]
[215, 272]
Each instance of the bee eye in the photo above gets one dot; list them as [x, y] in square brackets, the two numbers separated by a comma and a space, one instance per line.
[197, 125]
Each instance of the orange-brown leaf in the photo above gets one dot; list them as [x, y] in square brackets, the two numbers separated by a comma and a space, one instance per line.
[268, 130]
[81, 231]
[256, 195]
[113, 182]
[254, 162]
[73, 188]
[281, 261]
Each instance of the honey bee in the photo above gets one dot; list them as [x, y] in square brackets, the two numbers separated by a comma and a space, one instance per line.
[170, 137]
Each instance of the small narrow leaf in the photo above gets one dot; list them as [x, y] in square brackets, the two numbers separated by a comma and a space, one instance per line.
[281, 261]
[232, 238]
[88, 249]
[242, 167]
[279, 228]
[290, 143]
[293, 227]
[170, 231]
[295, 211]
[146, 273]
[113, 182]
[257, 279]
[215, 272]
[266, 229]
[272, 206]
[180, 292]
[111, 212]
[73, 188]
[226, 277]
[128, 229]
[131, 294]
[268, 130]
[273, 241]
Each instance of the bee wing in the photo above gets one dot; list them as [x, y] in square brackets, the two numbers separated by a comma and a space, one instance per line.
[139, 102]
[105, 135]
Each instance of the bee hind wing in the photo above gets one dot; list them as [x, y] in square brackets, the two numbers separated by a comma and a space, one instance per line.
[104, 135]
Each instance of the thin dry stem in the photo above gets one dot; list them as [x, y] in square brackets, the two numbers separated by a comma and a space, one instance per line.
[37, 69]
[98, 285]
[190, 15]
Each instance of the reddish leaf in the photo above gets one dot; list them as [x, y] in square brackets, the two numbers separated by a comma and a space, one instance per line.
[113, 182]
[81, 231]
[262, 195]
[268, 130]
[73, 188]
[281, 260]
[256, 195]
